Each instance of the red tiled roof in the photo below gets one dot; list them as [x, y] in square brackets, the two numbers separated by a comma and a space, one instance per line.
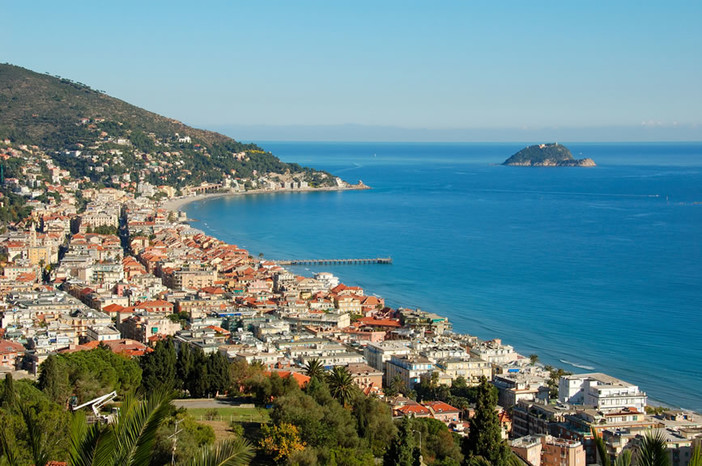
[301, 379]
[9, 346]
[218, 329]
[372, 322]
[113, 308]
[413, 409]
[123, 346]
[155, 303]
[441, 407]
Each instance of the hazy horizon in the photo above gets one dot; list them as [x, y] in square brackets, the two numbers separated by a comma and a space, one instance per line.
[364, 133]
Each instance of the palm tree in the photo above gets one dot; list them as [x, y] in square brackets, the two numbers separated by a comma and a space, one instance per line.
[652, 451]
[7, 450]
[130, 439]
[314, 368]
[696, 458]
[341, 384]
[38, 440]
[601, 449]
[233, 452]
[40, 443]
[624, 458]
[127, 441]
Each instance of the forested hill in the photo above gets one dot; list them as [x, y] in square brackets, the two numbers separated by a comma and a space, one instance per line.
[82, 128]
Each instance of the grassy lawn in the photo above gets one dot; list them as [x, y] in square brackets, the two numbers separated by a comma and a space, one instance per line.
[231, 414]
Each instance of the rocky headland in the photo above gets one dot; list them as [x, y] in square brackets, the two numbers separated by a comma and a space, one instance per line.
[547, 155]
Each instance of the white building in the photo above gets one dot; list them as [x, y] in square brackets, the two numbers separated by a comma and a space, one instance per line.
[471, 369]
[494, 352]
[604, 392]
[409, 369]
[329, 280]
[103, 333]
[514, 387]
[378, 353]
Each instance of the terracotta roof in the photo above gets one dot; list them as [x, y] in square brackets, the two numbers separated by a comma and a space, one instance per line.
[413, 409]
[218, 329]
[301, 379]
[441, 407]
[212, 290]
[372, 322]
[155, 303]
[9, 346]
[123, 346]
[26, 277]
[113, 308]
[371, 301]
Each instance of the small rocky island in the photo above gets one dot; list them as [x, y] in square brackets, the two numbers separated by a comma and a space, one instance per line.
[547, 155]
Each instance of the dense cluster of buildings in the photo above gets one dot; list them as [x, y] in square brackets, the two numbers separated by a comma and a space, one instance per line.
[125, 272]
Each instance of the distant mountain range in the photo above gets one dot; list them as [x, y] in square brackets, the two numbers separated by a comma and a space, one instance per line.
[367, 133]
[101, 137]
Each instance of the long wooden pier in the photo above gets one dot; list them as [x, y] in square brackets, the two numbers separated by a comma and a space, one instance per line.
[376, 260]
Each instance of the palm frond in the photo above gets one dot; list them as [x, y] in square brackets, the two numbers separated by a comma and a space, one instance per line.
[7, 450]
[35, 435]
[696, 458]
[653, 451]
[136, 428]
[624, 458]
[234, 452]
[601, 449]
[90, 444]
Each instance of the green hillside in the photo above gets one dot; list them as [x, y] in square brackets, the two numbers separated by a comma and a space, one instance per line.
[101, 137]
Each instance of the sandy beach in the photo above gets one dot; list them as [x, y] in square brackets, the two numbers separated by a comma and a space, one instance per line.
[176, 204]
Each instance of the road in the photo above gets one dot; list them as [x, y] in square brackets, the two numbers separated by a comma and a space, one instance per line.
[208, 403]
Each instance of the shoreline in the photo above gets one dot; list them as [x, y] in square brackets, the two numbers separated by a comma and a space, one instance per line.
[570, 368]
[179, 203]
[176, 204]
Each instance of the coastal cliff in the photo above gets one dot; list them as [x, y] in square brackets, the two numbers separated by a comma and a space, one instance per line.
[547, 155]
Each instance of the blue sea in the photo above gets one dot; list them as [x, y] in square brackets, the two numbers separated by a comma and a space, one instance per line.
[593, 269]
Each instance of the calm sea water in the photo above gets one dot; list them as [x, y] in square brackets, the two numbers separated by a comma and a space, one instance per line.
[593, 269]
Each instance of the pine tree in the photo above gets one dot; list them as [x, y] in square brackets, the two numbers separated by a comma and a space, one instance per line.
[402, 450]
[218, 376]
[53, 379]
[184, 365]
[485, 440]
[8, 392]
[197, 381]
[159, 368]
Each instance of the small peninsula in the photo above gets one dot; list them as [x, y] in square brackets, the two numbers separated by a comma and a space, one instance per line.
[547, 155]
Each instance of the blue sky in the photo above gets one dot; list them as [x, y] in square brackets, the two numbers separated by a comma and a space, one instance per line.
[441, 69]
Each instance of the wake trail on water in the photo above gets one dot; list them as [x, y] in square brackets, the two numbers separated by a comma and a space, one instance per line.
[575, 364]
[565, 193]
[348, 169]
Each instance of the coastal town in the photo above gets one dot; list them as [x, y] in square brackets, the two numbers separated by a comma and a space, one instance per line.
[121, 267]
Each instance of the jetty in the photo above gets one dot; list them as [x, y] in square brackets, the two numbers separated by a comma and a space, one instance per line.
[375, 260]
